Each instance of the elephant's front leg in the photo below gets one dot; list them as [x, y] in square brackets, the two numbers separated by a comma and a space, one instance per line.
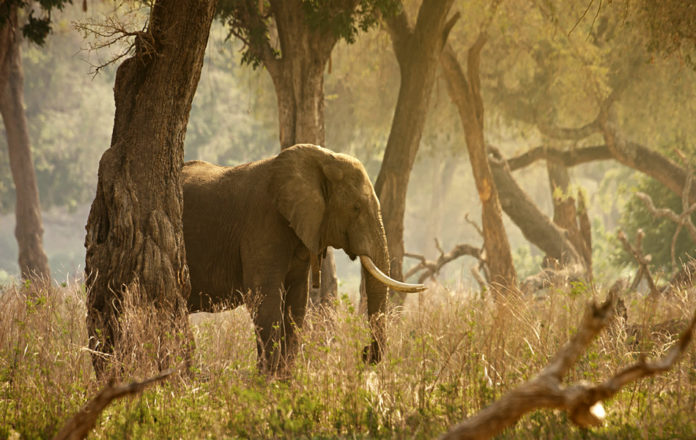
[295, 306]
[269, 323]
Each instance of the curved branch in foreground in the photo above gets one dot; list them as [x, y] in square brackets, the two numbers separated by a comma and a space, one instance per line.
[81, 423]
[581, 401]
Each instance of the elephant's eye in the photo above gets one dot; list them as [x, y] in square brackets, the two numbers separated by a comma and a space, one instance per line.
[356, 208]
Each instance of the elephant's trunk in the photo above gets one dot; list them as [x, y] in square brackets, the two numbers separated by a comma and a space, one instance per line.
[376, 292]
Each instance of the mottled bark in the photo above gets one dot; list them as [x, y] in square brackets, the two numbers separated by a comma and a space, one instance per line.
[29, 228]
[417, 50]
[134, 232]
[464, 90]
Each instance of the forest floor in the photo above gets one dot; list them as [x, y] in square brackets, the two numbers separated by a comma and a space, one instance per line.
[449, 354]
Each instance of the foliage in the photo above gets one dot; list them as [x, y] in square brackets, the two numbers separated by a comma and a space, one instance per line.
[668, 23]
[447, 357]
[659, 232]
[36, 28]
[253, 22]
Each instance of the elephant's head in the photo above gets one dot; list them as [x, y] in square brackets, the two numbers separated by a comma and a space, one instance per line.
[329, 201]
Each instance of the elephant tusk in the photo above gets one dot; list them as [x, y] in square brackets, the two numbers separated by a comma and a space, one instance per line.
[371, 267]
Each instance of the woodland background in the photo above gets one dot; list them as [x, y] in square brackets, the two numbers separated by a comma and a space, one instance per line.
[542, 63]
[607, 88]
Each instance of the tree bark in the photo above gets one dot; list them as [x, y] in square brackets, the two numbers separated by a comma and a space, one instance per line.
[29, 229]
[566, 215]
[134, 239]
[569, 158]
[466, 95]
[298, 79]
[536, 227]
[417, 50]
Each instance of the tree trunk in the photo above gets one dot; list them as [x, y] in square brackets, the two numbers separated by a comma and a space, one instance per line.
[298, 78]
[29, 228]
[418, 52]
[466, 95]
[134, 239]
[535, 226]
[565, 213]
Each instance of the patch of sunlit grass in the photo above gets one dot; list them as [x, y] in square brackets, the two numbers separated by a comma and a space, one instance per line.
[449, 354]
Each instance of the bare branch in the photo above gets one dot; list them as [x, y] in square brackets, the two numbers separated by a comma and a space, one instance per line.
[473, 224]
[430, 269]
[582, 402]
[569, 158]
[642, 260]
[79, 426]
[680, 219]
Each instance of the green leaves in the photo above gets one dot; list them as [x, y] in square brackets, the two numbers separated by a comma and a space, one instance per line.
[36, 29]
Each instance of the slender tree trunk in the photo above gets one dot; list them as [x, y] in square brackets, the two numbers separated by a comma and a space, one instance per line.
[29, 228]
[298, 78]
[565, 213]
[134, 236]
[417, 50]
[466, 95]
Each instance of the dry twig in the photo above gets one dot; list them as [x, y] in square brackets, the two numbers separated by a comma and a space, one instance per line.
[81, 423]
[429, 269]
[581, 401]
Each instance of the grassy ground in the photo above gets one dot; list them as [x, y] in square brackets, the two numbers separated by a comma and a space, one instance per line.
[448, 356]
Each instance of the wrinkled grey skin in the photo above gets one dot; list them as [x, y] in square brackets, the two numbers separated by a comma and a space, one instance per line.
[249, 232]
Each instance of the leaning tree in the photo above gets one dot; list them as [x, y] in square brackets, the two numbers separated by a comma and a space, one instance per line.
[135, 243]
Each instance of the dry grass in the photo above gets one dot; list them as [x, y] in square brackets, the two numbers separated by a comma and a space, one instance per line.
[448, 355]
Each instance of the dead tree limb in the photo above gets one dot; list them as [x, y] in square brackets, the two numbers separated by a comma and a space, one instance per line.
[581, 401]
[642, 260]
[429, 268]
[79, 426]
[680, 219]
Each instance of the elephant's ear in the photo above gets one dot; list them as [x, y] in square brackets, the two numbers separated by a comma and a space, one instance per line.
[299, 184]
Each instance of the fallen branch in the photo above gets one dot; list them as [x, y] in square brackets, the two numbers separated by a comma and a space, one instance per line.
[79, 426]
[431, 268]
[581, 401]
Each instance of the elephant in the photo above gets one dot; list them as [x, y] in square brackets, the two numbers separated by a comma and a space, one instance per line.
[253, 231]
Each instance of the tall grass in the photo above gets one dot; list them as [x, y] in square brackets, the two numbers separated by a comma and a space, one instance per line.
[448, 355]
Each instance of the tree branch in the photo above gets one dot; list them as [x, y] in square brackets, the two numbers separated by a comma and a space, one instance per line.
[642, 260]
[569, 158]
[431, 268]
[81, 423]
[582, 402]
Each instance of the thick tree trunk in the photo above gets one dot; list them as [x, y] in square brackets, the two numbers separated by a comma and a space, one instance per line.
[298, 78]
[466, 95]
[29, 228]
[418, 52]
[134, 239]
